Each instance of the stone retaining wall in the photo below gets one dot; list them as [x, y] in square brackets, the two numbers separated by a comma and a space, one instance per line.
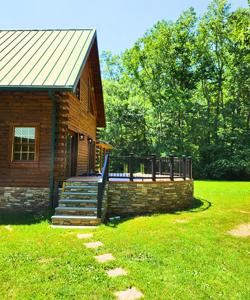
[135, 198]
[24, 199]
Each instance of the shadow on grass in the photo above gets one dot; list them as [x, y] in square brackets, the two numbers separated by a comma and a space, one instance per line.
[22, 218]
[198, 205]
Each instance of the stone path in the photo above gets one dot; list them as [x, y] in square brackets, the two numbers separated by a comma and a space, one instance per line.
[93, 244]
[104, 257]
[180, 221]
[84, 235]
[129, 294]
[116, 272]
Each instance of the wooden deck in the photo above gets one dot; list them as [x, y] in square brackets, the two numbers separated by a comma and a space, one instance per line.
[98, 178]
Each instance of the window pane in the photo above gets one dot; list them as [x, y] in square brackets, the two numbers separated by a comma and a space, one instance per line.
[24, 147]
[17, 147]
[24, 143]
[17, 156]
[31, 148]
[24, 156]
[31, 156]
[18, 139]
[31, 133]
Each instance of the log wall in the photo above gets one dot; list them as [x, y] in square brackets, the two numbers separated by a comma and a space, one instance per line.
[25, 108]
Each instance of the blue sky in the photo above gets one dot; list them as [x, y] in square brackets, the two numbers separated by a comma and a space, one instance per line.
[118, 22]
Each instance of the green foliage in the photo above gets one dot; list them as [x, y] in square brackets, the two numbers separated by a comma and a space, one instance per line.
[184, 88]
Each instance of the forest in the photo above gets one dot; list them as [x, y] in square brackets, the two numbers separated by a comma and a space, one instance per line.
[183, 88]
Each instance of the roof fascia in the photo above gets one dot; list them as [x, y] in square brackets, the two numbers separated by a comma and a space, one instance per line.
[84, 61]
[36, 88]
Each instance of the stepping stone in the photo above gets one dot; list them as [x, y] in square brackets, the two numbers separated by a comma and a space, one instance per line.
[93, 244]
[104, 257]
[181, 221]
[84, 235]
[129, 294]
[116, 272]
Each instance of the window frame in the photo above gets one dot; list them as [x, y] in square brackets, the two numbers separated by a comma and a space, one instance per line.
[37, 143]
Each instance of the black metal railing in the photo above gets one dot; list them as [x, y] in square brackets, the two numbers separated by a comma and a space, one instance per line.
[101, 185]
[133, 167]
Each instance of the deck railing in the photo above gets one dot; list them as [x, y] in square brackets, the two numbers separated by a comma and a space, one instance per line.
[101, 185]
[133, 167]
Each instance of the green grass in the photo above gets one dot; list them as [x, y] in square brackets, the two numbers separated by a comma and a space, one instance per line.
[165, 260]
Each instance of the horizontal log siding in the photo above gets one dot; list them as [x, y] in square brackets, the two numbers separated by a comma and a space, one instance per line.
[25, 107]
[81, 120]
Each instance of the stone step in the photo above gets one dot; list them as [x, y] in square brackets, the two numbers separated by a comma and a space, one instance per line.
[80, 188]
[78, 202]
[80, 183]
[79, 193]
[75, 220]
[75, 211]
[78, 196]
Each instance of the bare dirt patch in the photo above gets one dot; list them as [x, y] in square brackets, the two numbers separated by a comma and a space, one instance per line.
[9, 228]
[245, 212]
[243, 230]
[44, 260]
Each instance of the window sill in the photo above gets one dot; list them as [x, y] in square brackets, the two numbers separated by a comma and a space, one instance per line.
[24, 165]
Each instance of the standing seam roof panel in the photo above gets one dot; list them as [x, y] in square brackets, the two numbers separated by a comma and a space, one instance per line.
[51, 60]
[9, 51]
[20, 59]
[63, 58]
[5, 36]
[43, 58]
[38, 65]
[63, 76]
[79, 61]
[32, 58]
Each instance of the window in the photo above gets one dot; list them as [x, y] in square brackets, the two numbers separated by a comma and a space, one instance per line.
[24, 144]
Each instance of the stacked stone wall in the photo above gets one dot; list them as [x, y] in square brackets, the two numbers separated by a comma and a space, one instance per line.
[135, 198]
[24, 199]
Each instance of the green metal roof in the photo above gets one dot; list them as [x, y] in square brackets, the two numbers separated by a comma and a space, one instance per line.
[43, 59]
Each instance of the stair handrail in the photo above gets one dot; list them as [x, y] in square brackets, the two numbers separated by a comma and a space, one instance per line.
[102, 184]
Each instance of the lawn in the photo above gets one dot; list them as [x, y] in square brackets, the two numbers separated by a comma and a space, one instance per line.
[186, 255]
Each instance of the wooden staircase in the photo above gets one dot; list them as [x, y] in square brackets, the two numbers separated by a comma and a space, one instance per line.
[77, 204]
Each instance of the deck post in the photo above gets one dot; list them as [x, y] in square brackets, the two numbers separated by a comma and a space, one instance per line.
[131, 158]
[190, 167]
[171, 161]
[160, 165]
[184, 167]
[153, 167]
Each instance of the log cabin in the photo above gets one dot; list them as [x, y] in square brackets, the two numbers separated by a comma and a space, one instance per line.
[51, 105]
